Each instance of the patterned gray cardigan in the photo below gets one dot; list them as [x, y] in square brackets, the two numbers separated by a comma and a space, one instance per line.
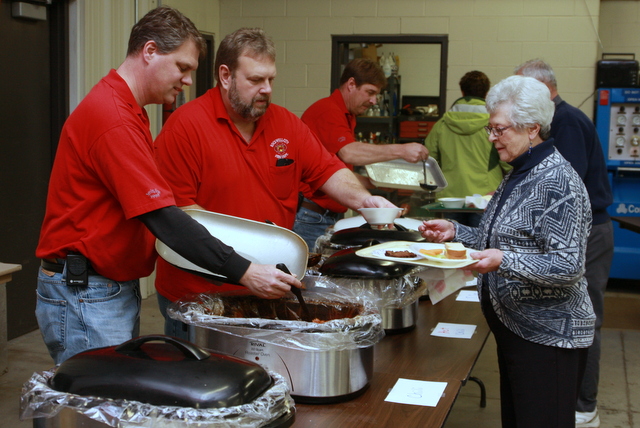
[539, 291]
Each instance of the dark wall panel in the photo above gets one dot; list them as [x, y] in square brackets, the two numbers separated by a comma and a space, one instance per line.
[25, 156]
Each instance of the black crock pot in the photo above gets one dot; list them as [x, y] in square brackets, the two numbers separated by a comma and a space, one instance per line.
[361, 235]
[163, 378]
[389, 279]
[172, 373]
[347, 264]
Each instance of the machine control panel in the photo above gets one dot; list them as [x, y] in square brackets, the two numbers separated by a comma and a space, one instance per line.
[617, 119]
[624, 133]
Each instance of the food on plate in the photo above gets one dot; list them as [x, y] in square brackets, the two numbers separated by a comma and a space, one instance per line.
[404, 254]
[435, 252]
[455, 250]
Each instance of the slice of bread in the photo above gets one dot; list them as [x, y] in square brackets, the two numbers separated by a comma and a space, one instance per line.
[455, 250]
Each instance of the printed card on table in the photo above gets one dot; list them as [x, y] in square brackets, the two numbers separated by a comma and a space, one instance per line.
[460, 331]
[416, 392]
[468, 296]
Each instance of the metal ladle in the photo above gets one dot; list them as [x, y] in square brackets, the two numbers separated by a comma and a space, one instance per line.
[305, 315]
[429, 187]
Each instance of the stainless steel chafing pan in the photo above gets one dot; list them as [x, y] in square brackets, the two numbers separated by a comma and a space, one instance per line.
[400, 174]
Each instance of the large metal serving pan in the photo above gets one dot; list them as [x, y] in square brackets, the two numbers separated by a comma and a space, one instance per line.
[400, 174]
[258, 242]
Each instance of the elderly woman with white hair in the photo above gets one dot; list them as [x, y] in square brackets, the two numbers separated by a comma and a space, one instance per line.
[531, 242]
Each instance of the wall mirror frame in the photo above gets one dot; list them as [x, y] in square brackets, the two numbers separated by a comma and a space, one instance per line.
[340, 45]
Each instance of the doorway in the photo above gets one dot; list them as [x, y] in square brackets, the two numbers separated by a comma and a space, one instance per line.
[33, 87]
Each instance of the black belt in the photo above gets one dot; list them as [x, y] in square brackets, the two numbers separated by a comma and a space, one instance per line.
[57, 266]
[318, 209]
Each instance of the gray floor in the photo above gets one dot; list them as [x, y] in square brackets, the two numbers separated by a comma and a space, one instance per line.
[619, 386]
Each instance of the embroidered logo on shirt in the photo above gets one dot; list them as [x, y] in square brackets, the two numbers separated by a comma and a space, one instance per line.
[341, 139]
[280, 145]
[153, 193]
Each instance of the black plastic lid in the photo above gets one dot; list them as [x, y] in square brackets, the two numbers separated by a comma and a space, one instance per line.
[173, 373]
[361, 235]
[347, 264]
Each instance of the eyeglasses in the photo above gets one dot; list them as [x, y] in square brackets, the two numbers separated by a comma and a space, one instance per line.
[495, 130]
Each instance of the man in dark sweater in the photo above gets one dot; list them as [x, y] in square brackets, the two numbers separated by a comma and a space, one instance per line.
[576, 139]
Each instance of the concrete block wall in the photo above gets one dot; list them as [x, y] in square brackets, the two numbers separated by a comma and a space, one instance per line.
[619, 24]
[493, 36]
[490, 35]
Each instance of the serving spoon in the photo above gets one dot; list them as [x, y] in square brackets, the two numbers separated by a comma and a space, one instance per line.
[429, 187]
[305, 315]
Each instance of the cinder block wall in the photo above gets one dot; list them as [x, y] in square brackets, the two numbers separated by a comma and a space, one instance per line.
[493, 36]
[619, 24]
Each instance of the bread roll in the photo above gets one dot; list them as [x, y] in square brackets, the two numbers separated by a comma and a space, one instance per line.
[455, 250]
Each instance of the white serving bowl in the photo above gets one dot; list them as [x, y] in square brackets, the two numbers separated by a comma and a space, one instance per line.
[452, 202]
[378, 216]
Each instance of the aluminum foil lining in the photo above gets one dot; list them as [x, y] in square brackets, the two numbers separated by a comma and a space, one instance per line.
[39, 400]
[361, 331]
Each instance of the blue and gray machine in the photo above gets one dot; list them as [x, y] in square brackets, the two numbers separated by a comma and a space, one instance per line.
[617, 115]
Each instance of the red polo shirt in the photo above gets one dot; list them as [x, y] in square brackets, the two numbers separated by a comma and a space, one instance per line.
[334, 126]
[207, 162]
[103, 176]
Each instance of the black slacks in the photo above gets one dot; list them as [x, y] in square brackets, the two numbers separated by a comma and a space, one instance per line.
[539, 384]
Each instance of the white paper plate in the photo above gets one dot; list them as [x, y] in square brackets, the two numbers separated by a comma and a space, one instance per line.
[431, 246]
[368, 252]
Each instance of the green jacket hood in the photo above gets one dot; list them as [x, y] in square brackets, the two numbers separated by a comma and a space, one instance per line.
[467, 116]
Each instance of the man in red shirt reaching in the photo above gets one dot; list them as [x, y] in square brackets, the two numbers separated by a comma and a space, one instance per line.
[333, 120]
[233, 152]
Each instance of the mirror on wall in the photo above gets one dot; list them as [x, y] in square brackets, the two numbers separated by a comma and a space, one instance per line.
[416, 69]
[421, 60]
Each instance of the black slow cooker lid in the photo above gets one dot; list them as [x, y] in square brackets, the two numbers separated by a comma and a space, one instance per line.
[347, 264]
[172, 373]
[361, 235]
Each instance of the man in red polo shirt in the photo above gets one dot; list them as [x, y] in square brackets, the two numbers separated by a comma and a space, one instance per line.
[333, 120]
[231, 151]
[106, 198]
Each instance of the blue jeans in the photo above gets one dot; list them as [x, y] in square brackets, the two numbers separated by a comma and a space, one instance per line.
[76, 319]
[172, 327]
[310, 225]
